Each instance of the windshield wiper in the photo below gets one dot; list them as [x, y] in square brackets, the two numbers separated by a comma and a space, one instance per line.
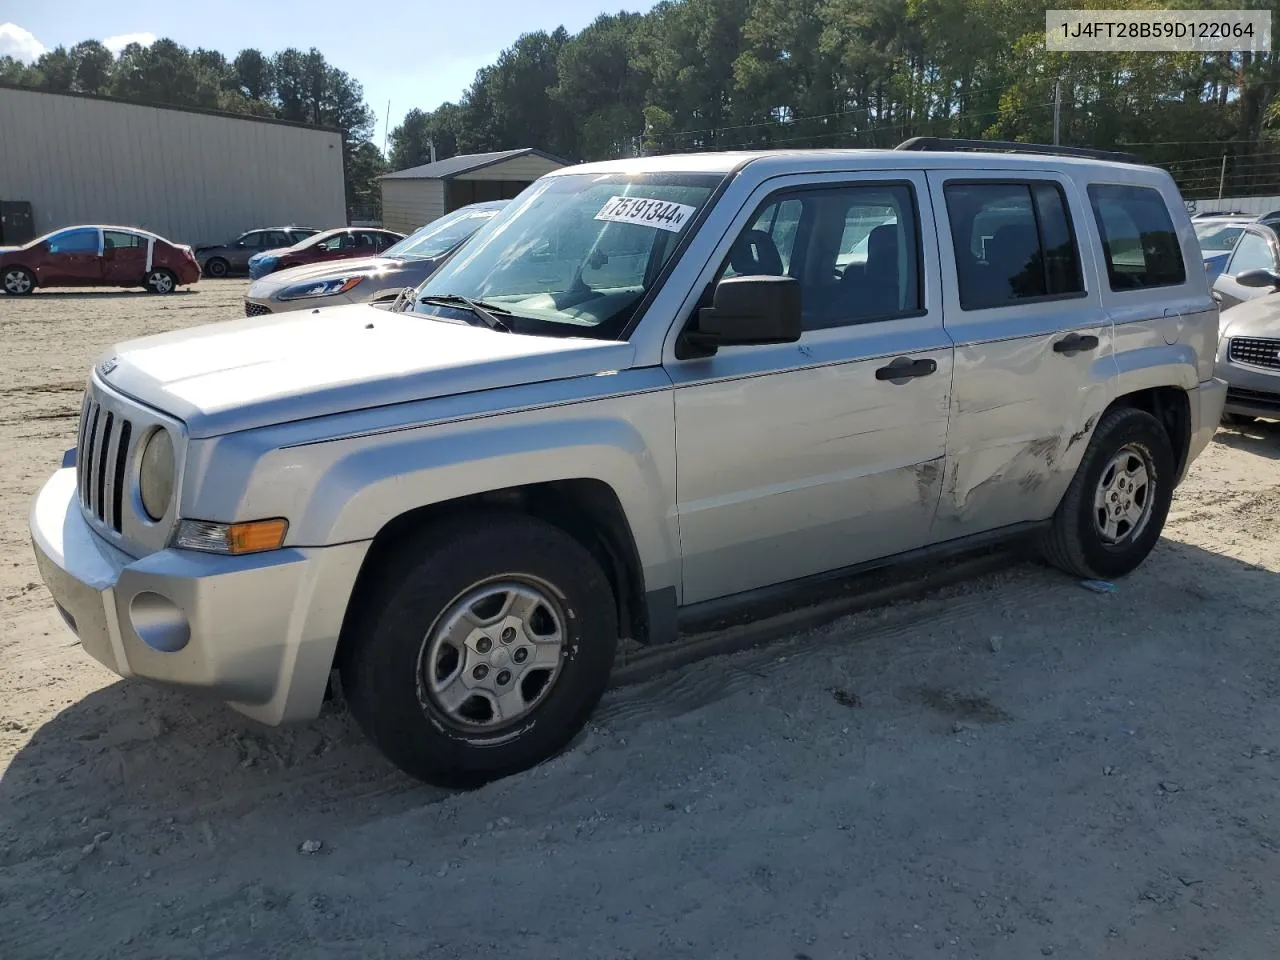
[480, 309]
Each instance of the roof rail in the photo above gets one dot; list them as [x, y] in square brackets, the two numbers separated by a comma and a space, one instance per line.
[1010, 146]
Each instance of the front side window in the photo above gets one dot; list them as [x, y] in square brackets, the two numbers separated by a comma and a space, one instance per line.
[1013, 242]
[74, 241]
[573, 255]
[253, 240]
[1252, 253]
[854, 250]
[440, 236]
[1138, 239]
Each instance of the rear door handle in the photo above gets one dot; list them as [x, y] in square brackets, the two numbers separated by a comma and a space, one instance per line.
[1074, 343]
[902, 369]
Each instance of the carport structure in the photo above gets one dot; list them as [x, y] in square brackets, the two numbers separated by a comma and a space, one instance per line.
[414, 197]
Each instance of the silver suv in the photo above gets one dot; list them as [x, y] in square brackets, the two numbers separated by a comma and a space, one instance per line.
[645, 390]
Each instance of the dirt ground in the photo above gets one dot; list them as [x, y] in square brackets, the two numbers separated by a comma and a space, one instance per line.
[1010, 768]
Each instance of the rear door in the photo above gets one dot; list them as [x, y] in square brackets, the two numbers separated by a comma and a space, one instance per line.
[1255, 250]
[1033, 344]
[74, 259]
[124, 257]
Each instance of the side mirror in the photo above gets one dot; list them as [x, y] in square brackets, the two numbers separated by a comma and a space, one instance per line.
[746, 311]
[1258, 278]
[239, 244]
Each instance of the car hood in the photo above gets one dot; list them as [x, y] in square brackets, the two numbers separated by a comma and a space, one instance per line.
[1259, 317]
[258, 371]
[324, 271]
[4, 250]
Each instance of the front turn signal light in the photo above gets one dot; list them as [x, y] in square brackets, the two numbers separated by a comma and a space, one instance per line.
[233, 539]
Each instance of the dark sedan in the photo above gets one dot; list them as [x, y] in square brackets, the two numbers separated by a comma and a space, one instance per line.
[370, 279]
[344, 243]
[221, 260]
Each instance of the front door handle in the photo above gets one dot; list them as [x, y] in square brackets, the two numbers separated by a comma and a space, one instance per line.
[902, 369]
[1074, 343]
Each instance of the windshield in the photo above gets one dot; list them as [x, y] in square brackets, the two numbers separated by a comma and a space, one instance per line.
[441, 236]
[1218, 239]
[573, 255]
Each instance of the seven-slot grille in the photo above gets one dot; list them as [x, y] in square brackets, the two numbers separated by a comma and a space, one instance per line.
[102, 455]
[255, 309]
[1255, 351]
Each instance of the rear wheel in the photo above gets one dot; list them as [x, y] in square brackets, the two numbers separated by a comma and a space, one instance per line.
[18, 281]
[482, 649]
[161, 281]
[1115, 508]
[216, 267]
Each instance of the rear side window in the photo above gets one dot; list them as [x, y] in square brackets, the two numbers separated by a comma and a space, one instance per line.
[1013, 242]
[1138, 239]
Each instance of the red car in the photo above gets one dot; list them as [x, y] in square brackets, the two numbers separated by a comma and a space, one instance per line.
[98, 256]
[340, 244]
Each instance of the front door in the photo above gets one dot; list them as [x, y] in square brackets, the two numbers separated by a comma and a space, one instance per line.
[124, 258]
[1034, 354]
[74, 259]
[1253, 251]
[808, 457]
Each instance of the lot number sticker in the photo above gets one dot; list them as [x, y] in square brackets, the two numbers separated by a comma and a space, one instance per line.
[650, 213]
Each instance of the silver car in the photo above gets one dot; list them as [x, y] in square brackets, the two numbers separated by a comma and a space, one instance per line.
[1249, 350]
[369, 279]
[1256, 248]
[648, 395]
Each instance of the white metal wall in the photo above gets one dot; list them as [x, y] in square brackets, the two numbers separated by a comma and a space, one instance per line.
[410, 204]
[190, 177]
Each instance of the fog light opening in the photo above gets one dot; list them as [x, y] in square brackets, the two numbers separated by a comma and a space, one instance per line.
[159, 622]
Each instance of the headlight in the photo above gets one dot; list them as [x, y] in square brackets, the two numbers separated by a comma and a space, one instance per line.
[319, 288]
[155, 475]
[231, 538]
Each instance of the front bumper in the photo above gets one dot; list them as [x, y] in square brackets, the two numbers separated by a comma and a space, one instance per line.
[258, 631]
[1252, 391]
[1206, 413]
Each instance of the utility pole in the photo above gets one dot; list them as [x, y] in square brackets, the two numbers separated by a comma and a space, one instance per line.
[431, 145]
[1222, 177]
[386, 129]
[1057, 109]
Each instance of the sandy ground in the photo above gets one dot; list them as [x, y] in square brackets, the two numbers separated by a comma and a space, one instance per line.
[1015, 767]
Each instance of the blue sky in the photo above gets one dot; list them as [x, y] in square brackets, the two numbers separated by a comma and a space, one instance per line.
[413, 54]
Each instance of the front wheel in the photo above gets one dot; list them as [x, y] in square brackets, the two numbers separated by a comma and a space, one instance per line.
[482, 649]
[18, 281]
[216, 268]
[161, 281]
[1115, 508]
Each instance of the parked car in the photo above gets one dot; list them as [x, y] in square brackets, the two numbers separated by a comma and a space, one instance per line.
[222, 260]
[1217, 238]
[369, 279]
[644, 397]
[1257, 248]
[98, 256]
[1249, 350]
[344, 243]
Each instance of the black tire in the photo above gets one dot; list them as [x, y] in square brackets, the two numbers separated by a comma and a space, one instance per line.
[1238, 419]
[17, 281]
[414, 586]
[161, 281]
[216, 267]
[1074, 542]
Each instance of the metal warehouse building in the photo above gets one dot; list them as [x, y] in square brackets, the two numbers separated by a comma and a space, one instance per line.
[413, 198]
[191, 176]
